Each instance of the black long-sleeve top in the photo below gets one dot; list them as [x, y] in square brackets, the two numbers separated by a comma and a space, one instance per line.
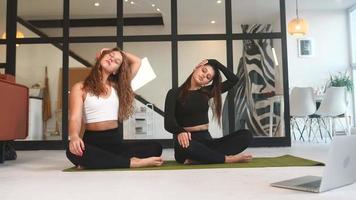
[195, 109]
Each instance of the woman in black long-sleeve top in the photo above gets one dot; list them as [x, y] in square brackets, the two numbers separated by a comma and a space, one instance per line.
[186, 117]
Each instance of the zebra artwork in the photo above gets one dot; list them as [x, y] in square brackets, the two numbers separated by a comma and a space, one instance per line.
[256, 86]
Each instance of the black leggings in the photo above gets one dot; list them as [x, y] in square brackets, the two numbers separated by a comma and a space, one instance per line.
[204, 149]
[106, 149]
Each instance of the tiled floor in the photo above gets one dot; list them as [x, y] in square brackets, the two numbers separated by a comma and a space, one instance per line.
[37, 175]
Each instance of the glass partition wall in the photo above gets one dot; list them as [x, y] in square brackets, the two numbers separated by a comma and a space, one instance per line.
[175, 35]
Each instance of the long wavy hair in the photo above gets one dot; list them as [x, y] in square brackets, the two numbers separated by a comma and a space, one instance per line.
[214, 93]
[121, 81]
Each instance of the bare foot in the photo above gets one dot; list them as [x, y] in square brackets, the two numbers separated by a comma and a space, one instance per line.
[79, 167]
[188, 162]
[239, 158]
[146, 162]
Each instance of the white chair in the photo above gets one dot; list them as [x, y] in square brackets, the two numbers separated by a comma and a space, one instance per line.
[302, 104]
[353, 131]
[333, 106]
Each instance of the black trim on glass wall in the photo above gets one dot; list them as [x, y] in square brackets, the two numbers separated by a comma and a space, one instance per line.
[249, 36]
[65, 71]
[174, 38]
[11, 28]
[2, 151]
[193, 37]
[230, 62]
[119, 40]
[98, 22]
[287, 139]
[174, 45]
[2, 65]
[119, 23]
[147, 38]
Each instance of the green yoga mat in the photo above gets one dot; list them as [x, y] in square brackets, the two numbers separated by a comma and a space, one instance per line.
[281, 161]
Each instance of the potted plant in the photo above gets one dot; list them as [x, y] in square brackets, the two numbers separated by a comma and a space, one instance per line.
[341, 80]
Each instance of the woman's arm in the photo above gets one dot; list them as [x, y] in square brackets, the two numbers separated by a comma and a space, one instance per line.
[231, 78]
[75, 118]
[170, 122]
[134, 62]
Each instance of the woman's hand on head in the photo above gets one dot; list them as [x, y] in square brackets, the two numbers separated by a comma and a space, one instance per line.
[184, 138]
[203, 62]
[98, 54]
[76, 146]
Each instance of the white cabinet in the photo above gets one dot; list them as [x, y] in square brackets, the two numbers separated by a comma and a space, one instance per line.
[35, 128]
[145, 123]
[143, 117]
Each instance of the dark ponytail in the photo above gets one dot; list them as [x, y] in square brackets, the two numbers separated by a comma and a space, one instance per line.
[215, 93]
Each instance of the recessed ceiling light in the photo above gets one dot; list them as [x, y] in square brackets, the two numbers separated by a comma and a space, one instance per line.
[219, 1]
[158, 9]
[96, 4]
[153, 5]
[126, 0]
[212, 21]
[132, 2]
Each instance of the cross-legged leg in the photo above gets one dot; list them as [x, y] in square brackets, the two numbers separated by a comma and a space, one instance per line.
[203, 149]
[234, 143]
[197, 151]
[142, 153]
[140, 149]
[96, 158]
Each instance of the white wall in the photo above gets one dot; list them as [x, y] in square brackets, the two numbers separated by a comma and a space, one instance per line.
[160, 57]
[328, 29]
[2, 53]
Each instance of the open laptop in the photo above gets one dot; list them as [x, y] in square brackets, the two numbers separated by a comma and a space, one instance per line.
[340, 169]
[144, 75]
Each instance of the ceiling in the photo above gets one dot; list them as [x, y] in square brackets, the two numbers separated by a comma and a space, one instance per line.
[323, 4]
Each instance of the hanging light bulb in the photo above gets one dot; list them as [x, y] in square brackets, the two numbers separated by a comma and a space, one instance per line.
[19, 34]
[298, 26]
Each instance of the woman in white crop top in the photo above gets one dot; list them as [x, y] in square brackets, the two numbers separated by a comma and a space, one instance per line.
[103, 100]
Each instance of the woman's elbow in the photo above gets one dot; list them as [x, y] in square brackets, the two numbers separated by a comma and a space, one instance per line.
[167, 127]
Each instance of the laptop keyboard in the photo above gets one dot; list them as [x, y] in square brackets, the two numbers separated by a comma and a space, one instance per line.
[313, 184]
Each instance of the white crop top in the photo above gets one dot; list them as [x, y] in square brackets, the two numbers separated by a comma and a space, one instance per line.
[98, 109]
